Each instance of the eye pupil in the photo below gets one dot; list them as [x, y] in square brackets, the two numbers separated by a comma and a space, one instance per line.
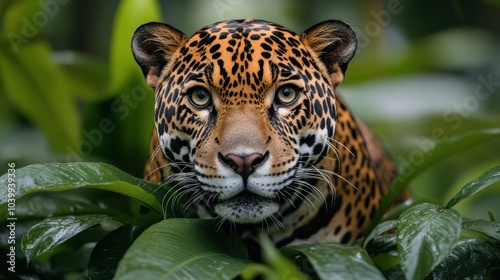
[201, 94]
[286, 95]
[287, 92]
[200, 97]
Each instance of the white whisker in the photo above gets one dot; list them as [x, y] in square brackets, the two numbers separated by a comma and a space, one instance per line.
[276, 222]
[313, 190]
[338, 176]
[343, 146]
[306, 199]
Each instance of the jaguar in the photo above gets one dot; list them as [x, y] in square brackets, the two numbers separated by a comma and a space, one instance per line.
[250, 129]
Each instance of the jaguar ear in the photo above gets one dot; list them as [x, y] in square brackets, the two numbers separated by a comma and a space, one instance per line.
[334, 42]
[153, 45]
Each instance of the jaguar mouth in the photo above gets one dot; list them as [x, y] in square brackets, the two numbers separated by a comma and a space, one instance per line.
[246, 208]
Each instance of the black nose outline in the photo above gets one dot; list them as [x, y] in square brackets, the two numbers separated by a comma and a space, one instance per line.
[244, 165]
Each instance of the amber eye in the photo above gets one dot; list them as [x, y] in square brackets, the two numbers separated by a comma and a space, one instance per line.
[199, 97]
[286, 95]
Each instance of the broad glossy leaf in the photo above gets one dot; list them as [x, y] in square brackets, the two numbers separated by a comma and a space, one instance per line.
[426, 234]
[489, 178]
[109, 251]
[439, 153]
[335, 261]
[492, 229]
[183, 249]
[130, 14]
[42, 206]
[67, 176]
[39, 91]
[51, 232]
[382, 244]
[469, 260]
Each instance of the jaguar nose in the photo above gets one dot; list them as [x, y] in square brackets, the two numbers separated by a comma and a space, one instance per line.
[244, 165]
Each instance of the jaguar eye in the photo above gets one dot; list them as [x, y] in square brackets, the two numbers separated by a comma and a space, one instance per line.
[199, 97]
[286, 95]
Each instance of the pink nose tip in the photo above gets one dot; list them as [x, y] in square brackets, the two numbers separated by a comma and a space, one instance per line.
[243, 165]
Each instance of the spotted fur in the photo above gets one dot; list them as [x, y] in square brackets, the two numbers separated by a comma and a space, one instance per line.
[250, 129]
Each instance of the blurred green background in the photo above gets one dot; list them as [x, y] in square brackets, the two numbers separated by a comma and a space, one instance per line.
[424, 71]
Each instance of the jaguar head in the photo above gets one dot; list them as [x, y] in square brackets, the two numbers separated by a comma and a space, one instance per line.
[245, 111]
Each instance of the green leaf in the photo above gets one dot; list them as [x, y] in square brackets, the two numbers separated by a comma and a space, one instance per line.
[335, 261]
[50, 233]
[379, 229]
[87, 74]
[469, 260]
[492, 217]
[14, 28]
[394, 273]
[44, 205]
[439, 153]
[492, 229]
[400, 208]
[67, 176]
[489, 178]
[40, 93]
[35, 207]
[109, 251]
[183, 249]
[382, 244]
[259, 271]
[278, 266]
[130, 14]
[426, 234]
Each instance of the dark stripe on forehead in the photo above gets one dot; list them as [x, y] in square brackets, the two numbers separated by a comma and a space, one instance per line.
[274, 71]
[209, 70]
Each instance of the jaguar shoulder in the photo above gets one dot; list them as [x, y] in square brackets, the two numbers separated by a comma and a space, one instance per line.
[249, 127]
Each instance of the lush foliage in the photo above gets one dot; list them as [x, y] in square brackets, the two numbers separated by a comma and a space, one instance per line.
[70, 91]
[115, 223]
[67, 95]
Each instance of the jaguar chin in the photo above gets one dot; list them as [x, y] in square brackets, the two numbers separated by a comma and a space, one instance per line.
[247, 208]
